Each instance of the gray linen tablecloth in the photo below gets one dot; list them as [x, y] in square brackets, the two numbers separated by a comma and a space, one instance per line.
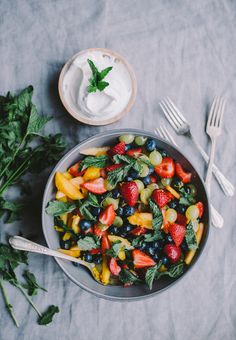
[184, 49]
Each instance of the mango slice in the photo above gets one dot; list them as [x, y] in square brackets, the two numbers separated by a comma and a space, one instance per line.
[95, 151]
[64, 185]
[105, 275]
[141, 219]
[91, 173]
[73, 251]
[191, 253]
[124, 241]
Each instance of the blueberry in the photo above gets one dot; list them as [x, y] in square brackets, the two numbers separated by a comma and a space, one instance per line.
[88, 257]
[102, 197]
[151, 250]
[150, 144]
[119, 211]
[169, 238]
[143, 246]
[176, 183]
[95, 211]
[127, 210]
[181, 208]
[134, 174]
[156, 257]
[163, 153]
[114, 230]
[65, 244]
[156, 245]
[85, 224]
[184, 246]
[128, 179]
[151, 170]
[146, 180]
[165, 260]
[121, 202]
[97, 259]
[122, 233]
[128, 147]
[173, 204]
[115, 193]
[127, 228]
[187, 190]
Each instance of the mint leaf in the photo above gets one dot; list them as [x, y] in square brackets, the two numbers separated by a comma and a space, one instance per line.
[157, 215]
[92, 200]
[126, 276]
[185, 198]
[93, 68]
[96, 161]
[190, 237]
[36, 122]
[174, 271]
[48, 315]
[96, 82]
[91, 88]
[114, 250]
[88, 243]
[101, 85]
[151, 274]
[31, 284]
[57, 208]
[104, 72]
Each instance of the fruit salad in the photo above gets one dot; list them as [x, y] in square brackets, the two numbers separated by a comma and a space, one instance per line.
[129, 208]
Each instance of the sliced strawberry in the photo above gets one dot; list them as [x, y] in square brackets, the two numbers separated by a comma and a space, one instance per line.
[129, 191]
[200, 207]
[108, 215]
[105, 243]
[74, 170]
[184, 176]
[177, 232]
[89, 231]
[114, 267]
[153, 179]
[98, 231]
[138, 231]
[134, 152]
[166, 169]
[173, 252]
[142, 260]
[95, 251]
[95, 186]
[118, 149]
[181, 219]
[161, 197]
[103, 173]
[113, 167]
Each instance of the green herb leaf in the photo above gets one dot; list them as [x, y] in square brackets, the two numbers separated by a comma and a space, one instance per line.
[185, 198]
[101, 85]
[157, 215]
[151, 274]
[92, 200]
[114, 250]
[126, 276]
[36, 122]
[174, 271]
[12, 209]
[31, 284]
[190, 237]
[88, 243]
[104, 73]
[58, 222]
[93, 68]
[96, 82]
[48, 315]
[13, 256]
[96, 161]
[156, 236]
[57, 208]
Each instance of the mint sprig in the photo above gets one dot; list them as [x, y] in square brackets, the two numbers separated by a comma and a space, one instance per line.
[96, 82]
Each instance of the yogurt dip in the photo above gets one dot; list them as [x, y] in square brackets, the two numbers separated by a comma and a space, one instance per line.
[99, 105]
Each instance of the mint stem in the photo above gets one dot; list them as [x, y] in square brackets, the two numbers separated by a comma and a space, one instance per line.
[7, 304]
[27, 298]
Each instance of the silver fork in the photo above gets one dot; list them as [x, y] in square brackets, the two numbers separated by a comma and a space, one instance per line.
[182, 127]
[213, 129]
[162, 131]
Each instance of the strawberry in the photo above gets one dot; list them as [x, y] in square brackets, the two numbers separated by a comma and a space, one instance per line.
[105, 243]
[153, 179]
[134, 152]
[129, 191]
[95, 186]
[142, 260]
[181, 219]
[166, 169]
[184, 176]
[98, 231]
[200, 207]
[114, 267]
[103, 173]
[118, 149]
[113, 167]
[95, 251]
[89, 231]
[138, 231]
[74, 170]
[108, 215]
[161, 197]
[173, 252]
[177, 232]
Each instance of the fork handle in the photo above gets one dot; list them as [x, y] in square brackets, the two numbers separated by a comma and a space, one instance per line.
[210, 164]
[227, 187]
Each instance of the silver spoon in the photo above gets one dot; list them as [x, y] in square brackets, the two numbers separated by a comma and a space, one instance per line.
[21, 243]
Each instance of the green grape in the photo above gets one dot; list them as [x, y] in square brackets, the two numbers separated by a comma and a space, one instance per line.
[139, 184]
[145, 195]
[166, 181]
[140, 140]
[193, 189]
[118, 222]
[127, 139]
[110, 200]
[155, 158]
[144, 171]
[108, 186]
[152, 186]
[171, 215]
[192, 213]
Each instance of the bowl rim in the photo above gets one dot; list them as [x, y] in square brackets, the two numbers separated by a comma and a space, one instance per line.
[59, 262]
[91, 121]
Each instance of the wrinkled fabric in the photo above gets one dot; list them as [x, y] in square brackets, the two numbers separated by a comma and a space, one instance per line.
[182, 49]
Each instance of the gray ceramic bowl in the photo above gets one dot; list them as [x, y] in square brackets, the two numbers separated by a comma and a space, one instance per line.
[81, 276]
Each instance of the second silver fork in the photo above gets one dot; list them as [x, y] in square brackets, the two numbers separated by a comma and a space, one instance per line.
[162, 131]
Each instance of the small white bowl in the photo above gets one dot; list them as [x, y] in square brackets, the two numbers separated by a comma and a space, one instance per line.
[88, 120]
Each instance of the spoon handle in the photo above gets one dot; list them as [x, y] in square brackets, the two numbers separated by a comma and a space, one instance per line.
[21, 243]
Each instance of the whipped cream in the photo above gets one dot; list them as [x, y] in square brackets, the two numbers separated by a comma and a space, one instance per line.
[97, 105]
